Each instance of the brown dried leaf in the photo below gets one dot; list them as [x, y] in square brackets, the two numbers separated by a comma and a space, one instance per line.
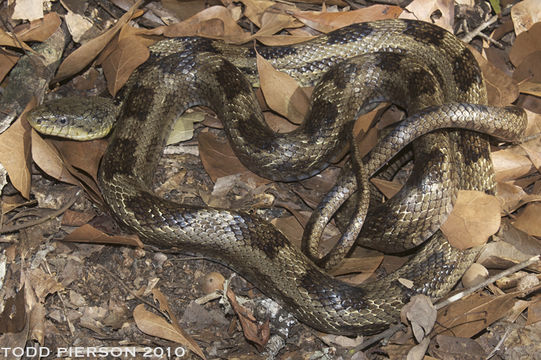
[43, 284]
[38, 30]
[424, 9]
[47, 157]
[452, 347]
[526, 43]
[502, 89]
[81, 57]
[89, 234]
[76, 218]
[291, 228]
[7, 61]
[282, 93]
[219, 159]
[529, 219]
[534, 312]
[15, 153]
[154, 325]
[533, 149]
[475, 217]
[511, 163]
[214, 22]
[472, 314]
[258, 334]
[525, 14]
[128, 54]
[387, 188]
[255, 9]
[8, 40]
[329, 21]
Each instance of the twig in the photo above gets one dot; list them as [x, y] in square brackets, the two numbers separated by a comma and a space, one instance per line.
[52, 215]
[497, 348]
[389, 332]
[374, 339]
[490, 280]
[477, 31]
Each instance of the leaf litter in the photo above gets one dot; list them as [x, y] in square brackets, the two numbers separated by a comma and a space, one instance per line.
[121, 48]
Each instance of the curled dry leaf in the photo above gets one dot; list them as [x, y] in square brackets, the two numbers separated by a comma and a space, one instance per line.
[329, 21]
[511, 163]
[526, 43]
[219, 159]
[473, 313]
[502, 90]
[155, 325]
[258, 334]
[214, 22]
[128, 54]
[39, 30]
[529, 219]
[525, 13]
[81, 57]
[89, 234]
[475, 217]
[423, 10]
[15, 153]
[282, 93]
[420, 312]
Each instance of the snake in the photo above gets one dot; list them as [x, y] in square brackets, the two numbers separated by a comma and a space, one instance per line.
[418, 65]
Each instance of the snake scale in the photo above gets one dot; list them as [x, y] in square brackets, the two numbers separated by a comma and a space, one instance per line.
[437, 79]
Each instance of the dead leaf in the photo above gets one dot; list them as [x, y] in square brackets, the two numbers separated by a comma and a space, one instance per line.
[526, 43]
[183, 127]
[38, 30]
[155, 325]
[219, 159]
[534, 312]
[529, 219]
[510, 164]
[387, 188]
[257, 334]
[525, 14]
[474, 313]
[89, 234]
[7, 62]
[128, 54]
[502, 90]
[15, 152]
[282, 93]
[80, 58]
[329, 21]
[28, 10]
[214, 22]
[475, 217]
[452, 347]
[424, 10]
[49, 160]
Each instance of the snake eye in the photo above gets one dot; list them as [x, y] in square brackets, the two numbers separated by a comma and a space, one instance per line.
[62, 121]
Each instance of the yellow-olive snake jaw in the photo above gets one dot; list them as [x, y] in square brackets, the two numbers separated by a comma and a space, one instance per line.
[440, 78]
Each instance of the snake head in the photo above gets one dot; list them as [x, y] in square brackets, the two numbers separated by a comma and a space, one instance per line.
[75, 118]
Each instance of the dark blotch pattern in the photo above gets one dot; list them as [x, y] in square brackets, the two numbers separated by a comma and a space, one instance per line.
[265, 237]
[419, 83]
[120, 164]
[425, 33]
[236, 82]
[138, 109]
[389, 61]
[462, 71]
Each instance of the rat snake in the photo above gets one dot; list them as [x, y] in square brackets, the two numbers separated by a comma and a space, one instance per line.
[412, 63]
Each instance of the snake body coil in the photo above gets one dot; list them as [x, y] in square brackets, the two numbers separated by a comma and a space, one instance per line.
[193, 71]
